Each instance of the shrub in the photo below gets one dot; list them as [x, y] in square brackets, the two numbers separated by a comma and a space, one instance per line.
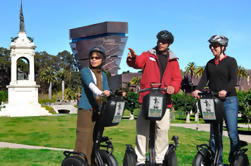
[49, 109]
[70, 94]
[131, 99]
[245, 105]
[3, 96]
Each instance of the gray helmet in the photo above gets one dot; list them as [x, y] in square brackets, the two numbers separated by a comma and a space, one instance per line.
[222, 40]
[100, 49]
[165, 36]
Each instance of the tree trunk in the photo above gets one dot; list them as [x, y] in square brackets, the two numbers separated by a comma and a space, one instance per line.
[62, 90]
[50, 90]
[131, 116]
[196, 119]
[188, 117]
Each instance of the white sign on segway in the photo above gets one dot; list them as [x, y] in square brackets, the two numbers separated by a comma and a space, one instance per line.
[208, 109]
[155, 106]
[118, 112]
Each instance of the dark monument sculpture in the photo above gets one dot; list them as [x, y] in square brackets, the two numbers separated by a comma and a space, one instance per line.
[112, 35]
[21, 16]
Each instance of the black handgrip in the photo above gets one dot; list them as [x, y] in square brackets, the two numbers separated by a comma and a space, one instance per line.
[151, 89]
[208, 93]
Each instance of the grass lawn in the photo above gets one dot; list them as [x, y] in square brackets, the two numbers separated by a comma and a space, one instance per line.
[59, 131]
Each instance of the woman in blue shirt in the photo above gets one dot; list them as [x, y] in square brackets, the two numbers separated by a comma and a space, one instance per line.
[94, 86]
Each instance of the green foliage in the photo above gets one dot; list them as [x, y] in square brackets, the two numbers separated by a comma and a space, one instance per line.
[3, 96]
[70, 94]
[49, 109]
[46, 101]
[245, 104]
[131, 99]
[184, 103]
[5, 68]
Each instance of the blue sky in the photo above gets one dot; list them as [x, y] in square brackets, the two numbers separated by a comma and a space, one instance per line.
[192, 22]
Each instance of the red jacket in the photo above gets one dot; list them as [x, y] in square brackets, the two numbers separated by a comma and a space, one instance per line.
[148, 61]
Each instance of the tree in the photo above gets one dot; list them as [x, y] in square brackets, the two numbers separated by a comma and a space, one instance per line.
[190, 70]
[242, 73]
[199, 71]
[5, 68]
[43, 60]
[131, 99]
[245, 105]
[185, 103]
[135, 80]
[61, 75]
[48, 75]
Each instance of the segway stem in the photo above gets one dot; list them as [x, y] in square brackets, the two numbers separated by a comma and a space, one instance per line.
[218, 142]
[152, 143]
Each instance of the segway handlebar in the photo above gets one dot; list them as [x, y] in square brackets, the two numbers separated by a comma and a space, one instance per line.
[151, 89]
[206, 93]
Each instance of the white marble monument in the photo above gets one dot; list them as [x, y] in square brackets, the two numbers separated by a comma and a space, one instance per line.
[22, 91]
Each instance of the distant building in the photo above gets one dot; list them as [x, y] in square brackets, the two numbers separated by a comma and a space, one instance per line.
[111, 35]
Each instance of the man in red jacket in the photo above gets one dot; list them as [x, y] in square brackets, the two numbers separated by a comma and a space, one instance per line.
[159, 66]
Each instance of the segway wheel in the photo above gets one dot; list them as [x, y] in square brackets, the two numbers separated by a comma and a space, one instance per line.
[199, 160]
[170, 159]
[108, 159]
[74, 161]
[241, 160]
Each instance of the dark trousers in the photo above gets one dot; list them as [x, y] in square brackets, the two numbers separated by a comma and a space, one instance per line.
[84, 134]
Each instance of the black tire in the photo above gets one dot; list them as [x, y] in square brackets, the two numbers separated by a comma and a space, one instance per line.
[170, 159]
[108, 159]
[241, 160]
[199, 160]
[74, 161]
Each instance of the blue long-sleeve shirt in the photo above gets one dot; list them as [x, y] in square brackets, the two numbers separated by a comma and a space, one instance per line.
[87, 100]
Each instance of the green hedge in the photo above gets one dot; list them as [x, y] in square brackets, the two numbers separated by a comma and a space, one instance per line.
[3, 96]
[245, 105]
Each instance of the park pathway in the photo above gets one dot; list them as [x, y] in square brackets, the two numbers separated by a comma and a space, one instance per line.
[206, 127]
[21, 146]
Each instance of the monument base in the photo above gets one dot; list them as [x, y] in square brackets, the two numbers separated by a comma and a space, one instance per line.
[17, 110]
[23, 100]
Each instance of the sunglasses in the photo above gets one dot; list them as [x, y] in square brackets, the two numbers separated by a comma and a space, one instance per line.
[214, 45]
[96, 58]
[162, 41]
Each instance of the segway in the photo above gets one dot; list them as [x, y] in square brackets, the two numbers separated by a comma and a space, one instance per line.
[153, 107]
[110, 114]
[211, 108]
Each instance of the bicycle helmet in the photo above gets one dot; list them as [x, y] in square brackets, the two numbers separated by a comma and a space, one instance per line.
[100, 49]
[165, 36]
[222, 40]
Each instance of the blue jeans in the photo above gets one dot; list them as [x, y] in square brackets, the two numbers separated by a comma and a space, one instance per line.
[231, 119]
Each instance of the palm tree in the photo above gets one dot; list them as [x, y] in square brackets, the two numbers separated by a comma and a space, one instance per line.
[199, 71]
[61, 74]
[135, 80]
[242, 73]
[190, 69]
[48, 75]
